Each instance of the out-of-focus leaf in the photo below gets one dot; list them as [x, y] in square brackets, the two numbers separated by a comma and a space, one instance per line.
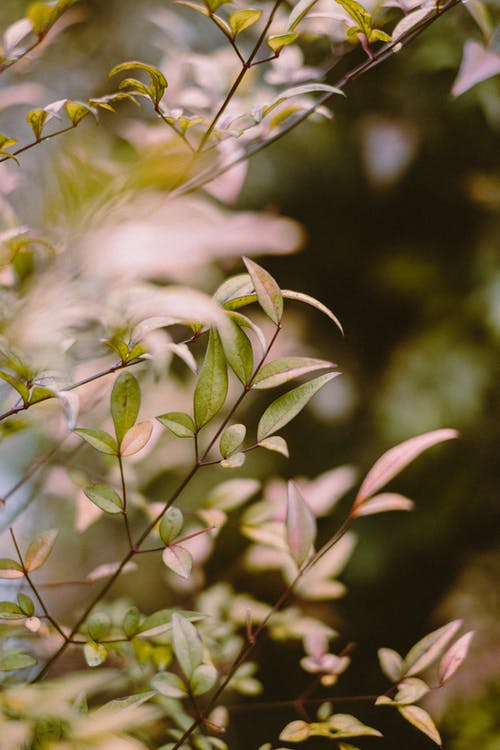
[178, 560]
[15, 659]
[71, 404]
[234, 461]
[267, 291]
[422, 721]
[211, 389]
[275, 443]
[98, 439]
[286, 407]
[383, 502]
[454, 657]
[17, 384]
[26, 604]
[282, 370]
[300, 526]
[232, 494]
[11, 611]
[136, 438]
[179, 423]
[478, 64]
[203, 679]
[10, 568]
[125, 403]
[429, 648]
[105, 497]
[299, 11]
[95, 653]
[108, 569]
[396, 459]
[39, 549]
[169, 684]
[278, 41]
[391, 663]
[187, 645]
[171, 525]
[98, 626]
[231, 439]
[306, 88]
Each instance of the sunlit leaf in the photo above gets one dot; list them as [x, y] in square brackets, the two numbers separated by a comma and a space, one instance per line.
[105, 497]
[178, 560]
[171, 525]
[36, 118]
[396, 459]
[275, 443]
[136, 438]
[300, 10]
[410, 690]
[295, 731]
[211, 388]
[422, 721]
[267, 290]
[98, 439]
[391, 663]
[429, 648]
[95, 653]
[42, 17]
[282, 370]
[78, 110]
[454, 657]
[39, 549]
[203, 679]
[187, 645]
[306, 88]
[231, 439]
[300, 526]
[179, 423]
[287, 406]
[382, 503]
[125, 403]
[158, 81]
[278, 41]
[243, 19]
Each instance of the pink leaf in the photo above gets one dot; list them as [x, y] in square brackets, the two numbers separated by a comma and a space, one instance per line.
[454, 657]
[478, 64]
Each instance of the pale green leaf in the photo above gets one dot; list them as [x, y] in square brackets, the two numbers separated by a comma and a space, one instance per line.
[422, 721]
[10, 568]
[39, 549]
[203, 679]
[169, 684]
[429, 648]
[136, 438]
[295, 731]
[179, 423]
[98, 439]
[308, 300]
[231, 439]
[267, 291]
[211, 388]
[275, 443]
[178, 560]
[171, 525]
[278, 41]
[303, 90]
[11, 611]
[244, 322]
[234, 288]
[391, 663]
[234, 461]
[125, 403]
[300, 526]
[300, 10]
[282, 370]
[243, 19]
[287, 406]
[105, 497]
[98, 626]
[454, 657]
[95, 653]
[410, 690]
[187, 644]
[15, 659]
[131, 622]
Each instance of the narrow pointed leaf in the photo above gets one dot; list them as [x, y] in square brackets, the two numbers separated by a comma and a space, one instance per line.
[178, 560]
[10, 568]
[278, 41]
[98, 439]
[454, 657]
[244, 322]
[187, 644]
[391, 663]
[300, 526]
[39, 549]
[287, 406]
[429, 648]
[125, 403]
[136, 438]
[422, 721]
[396, 459]
[238, 351]
[282, 370]
[231, 439]
[105, 497]
[300, 10]
[382, 503]
[275, 443]
[179, 423]
[267, 291]
[211, 389]
[308, 300]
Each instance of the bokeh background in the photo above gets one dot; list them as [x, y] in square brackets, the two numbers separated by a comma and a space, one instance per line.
[399, 200]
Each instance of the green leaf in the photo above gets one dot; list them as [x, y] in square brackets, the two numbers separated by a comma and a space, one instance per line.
[422, 721]
[125, 403]
[211, 389]
[203, 679]
[6, 155]
[275, 443]
[10, 568]
[136, 438]
[282, 370]
[36, 118]
[238, 351]
[42, 17]
[391, 663]
[231, 439]
[17, 384]
[98, 439]
[169, 684]
[287, 406]
[95, 653]
[300, 526]
[179, 423]
[39, 549]
[98, 626]
[6, 141]
[300, 10]
[15, 659]
[131, 622]
[308, 300]
[243, 19]
[78, 110]
[306, 88]
[105, 497]
[187, 645]
[26, 604]
[11, 611]
[267, 291]
[178, 560]
[158, 81]
[171, 525]
[358, 14]
[429, 648]
[278, 41]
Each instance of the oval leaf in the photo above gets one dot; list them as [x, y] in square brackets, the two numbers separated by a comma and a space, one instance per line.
[396, 459]
[171, 525]
[454, 657]
[125, 403]
[287, 406]
[243, 19]
[211, 388]
[10, 568]
[282, 370]
[187, 645]
[169, 684]
[179, 423]
[232, 494]
[422, 721]
[136, 438]
[391, 663]
[39, 549]
[178, 560]
[105, 497]
[99, 440]
[203, 679]
[15, 659]
[231, 439]
[276, 444]
[300, 526]
[234, 461]
[267, 290]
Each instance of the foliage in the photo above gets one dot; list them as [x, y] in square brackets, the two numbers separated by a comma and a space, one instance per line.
[94, 362]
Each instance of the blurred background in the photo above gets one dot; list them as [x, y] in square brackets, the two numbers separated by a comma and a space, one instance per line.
[398, 197]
